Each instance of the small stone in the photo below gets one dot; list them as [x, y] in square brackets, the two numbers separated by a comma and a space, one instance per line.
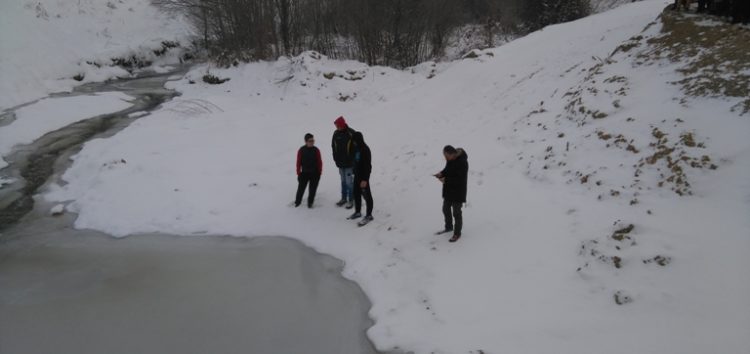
[622, 298]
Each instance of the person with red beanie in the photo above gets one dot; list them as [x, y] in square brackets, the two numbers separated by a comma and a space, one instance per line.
[343, 148]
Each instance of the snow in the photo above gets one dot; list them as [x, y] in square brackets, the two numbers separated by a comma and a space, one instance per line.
[57, 209]
[45, 43]
[5, 180]
[606, 5]
[49, 114]
[535, 271]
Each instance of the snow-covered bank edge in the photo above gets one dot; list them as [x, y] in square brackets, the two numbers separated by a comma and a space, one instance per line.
[53, 46]
[49, 114]
[95, 262]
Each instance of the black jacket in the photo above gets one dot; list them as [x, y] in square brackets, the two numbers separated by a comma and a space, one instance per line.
[363, 163]
[342, 145]
[456, 174]
[309, 161]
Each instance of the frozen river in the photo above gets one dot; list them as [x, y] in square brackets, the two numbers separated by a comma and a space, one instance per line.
[71, 291]
[64, 290]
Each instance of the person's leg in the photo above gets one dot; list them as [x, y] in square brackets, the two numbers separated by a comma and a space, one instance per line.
[349, 183]
[458, 215]
[367, 192]
[342, 175]
[447, 215]
[357, 199]
[314, 180]
[301, 185]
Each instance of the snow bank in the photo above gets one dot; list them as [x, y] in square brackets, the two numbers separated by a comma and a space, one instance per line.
[548, 262]
[44, 44]
[598, 6]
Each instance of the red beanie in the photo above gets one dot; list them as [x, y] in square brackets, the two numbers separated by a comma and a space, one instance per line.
[340, 122]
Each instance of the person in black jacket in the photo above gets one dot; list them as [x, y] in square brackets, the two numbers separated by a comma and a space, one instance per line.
[362, 170]
[342, 145]
[454, 178]
[309, 169]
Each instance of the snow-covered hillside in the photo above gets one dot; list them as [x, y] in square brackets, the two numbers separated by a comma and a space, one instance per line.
[45, 44]
[606, 5]
[608, 189]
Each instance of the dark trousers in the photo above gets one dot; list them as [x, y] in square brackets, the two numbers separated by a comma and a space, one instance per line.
[452, 210]
[360, 192]
[303, 179]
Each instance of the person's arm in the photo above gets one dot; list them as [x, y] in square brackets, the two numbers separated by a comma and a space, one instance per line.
[449, 173]
[333, 146]
[299, 161]
[320, 161]
[441, 175]
[367, 159]
[365, 169]
[465, 173]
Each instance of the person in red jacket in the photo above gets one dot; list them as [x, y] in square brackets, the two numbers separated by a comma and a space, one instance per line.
[309, 169]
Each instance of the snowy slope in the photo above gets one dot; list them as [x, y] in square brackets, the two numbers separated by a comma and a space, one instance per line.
[45, 43]
[567, 149]
[606, 5]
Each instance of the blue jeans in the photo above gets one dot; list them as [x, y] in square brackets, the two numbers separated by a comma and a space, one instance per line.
[347, 183]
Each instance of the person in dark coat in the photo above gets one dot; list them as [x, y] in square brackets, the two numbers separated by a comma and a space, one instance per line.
[309, 169]
[342, 145]
[454, 178]
[362, 170]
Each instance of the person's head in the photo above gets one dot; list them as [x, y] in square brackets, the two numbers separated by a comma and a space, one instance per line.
[340, 123]
[358, 138]
[309, 139]
[450, 152]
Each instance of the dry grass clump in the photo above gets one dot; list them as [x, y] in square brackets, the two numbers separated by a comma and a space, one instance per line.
[716, 56]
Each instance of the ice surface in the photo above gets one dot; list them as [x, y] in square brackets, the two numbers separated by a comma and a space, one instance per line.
[78, 292]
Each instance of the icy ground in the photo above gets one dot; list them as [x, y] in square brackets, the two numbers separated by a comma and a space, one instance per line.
[84, 292]
[574, 134]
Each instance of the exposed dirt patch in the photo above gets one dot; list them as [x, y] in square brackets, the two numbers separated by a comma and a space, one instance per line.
[724, 70]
